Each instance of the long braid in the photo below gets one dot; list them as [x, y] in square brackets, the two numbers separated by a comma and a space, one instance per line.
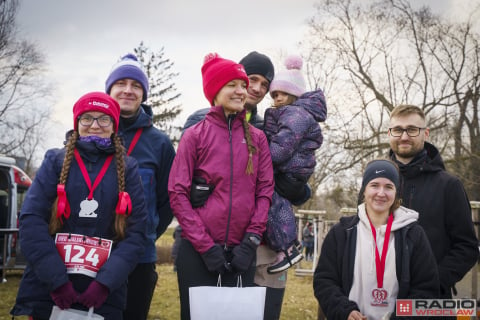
[120, 219]
[250, 146]
[55, 222]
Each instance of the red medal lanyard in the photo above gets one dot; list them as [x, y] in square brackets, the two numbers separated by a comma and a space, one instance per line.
[134, 141]
[380, 263]
[84, 171]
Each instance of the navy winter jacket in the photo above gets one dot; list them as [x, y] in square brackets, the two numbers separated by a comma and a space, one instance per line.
[154, 153]
[45, 270]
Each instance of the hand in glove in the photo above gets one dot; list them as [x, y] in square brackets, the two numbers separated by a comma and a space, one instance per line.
[214, 259]
[94, 296]
[303, 196]
[199, 192]
[289, 188]
[244, 253]
[64, 296]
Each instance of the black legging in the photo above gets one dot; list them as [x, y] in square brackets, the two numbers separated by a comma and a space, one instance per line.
[191, 272]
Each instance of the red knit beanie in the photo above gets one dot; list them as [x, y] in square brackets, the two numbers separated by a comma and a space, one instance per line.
[96, 101]
[216, 72]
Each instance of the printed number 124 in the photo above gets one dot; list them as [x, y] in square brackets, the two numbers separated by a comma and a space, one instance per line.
[79, 254]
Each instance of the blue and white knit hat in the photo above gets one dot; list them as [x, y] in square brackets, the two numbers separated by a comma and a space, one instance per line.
[291, 80]
[128, 68]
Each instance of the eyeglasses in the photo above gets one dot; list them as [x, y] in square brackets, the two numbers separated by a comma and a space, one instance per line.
[87, 120]
[411, 131]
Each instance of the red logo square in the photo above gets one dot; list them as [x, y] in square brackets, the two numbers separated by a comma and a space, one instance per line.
[404, 307]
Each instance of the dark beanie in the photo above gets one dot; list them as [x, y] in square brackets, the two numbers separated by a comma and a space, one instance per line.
[257, 63]
[381, 169]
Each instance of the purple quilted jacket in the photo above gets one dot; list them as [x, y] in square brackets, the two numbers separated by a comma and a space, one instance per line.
[294, 133]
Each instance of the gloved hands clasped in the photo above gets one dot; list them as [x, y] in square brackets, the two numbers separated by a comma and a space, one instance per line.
[94, 296]
[245, 252]
[215, 260]
[64, 296]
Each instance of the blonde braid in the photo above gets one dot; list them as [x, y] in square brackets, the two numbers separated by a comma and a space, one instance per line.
[55, 222]
[250, 146]
[120, 219]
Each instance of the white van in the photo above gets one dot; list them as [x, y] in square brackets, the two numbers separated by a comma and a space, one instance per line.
[14, 183]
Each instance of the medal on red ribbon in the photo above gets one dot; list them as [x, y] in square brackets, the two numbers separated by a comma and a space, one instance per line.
[89, 205]
[379, 294]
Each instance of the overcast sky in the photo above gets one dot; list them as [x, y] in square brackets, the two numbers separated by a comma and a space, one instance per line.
[81, 40]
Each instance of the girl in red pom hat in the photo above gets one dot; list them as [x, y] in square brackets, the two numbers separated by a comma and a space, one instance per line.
[82, 224]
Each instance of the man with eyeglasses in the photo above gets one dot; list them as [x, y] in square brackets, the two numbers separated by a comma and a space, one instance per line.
[438, 196]
[127, 83]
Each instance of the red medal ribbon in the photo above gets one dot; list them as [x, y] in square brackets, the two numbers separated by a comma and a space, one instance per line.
[380, 263]
[84, 171]
[134, 140]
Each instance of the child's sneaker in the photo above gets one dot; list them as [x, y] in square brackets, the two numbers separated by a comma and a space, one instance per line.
[285, 260]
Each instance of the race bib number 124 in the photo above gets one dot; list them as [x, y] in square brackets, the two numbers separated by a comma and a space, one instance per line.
[82, 254]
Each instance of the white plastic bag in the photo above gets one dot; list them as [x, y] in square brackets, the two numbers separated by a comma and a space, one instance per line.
[227, 303]
[73, 314]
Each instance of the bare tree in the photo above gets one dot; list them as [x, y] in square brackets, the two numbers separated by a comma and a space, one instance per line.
[163, 94]
[23, 109]
[385, 53]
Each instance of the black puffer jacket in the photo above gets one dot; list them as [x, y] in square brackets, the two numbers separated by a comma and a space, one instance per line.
[444, 213]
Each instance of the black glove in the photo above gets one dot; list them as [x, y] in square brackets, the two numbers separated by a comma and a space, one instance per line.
[200, 191]
[244, 253]
[290, 189]
[214, 259]
[306, 194]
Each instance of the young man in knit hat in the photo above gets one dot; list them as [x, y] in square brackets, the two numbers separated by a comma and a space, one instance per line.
[127, 83]
[260, 72]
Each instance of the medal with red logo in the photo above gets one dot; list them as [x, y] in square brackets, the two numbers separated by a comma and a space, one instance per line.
[89, 205]
[379, 294]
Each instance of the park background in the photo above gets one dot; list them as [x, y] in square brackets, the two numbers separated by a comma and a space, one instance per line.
[367, 56]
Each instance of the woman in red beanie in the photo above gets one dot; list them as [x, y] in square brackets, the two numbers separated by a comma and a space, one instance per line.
[232, 159]
[82, 225]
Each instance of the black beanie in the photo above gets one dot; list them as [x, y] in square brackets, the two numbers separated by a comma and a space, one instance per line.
[257, 63]
[381, 169]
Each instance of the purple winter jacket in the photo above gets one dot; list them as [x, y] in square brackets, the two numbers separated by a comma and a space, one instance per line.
[294, 134]
[240, 202]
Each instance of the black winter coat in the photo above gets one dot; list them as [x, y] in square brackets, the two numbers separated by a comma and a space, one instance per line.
[444, 213]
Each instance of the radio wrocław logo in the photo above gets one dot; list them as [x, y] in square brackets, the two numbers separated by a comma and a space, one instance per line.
[436, 307]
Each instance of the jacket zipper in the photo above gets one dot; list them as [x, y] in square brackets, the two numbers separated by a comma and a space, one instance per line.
[230, 119]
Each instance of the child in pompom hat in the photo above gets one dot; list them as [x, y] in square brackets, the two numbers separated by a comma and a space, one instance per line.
[86, 202]
[231, 157]
[293, 132]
